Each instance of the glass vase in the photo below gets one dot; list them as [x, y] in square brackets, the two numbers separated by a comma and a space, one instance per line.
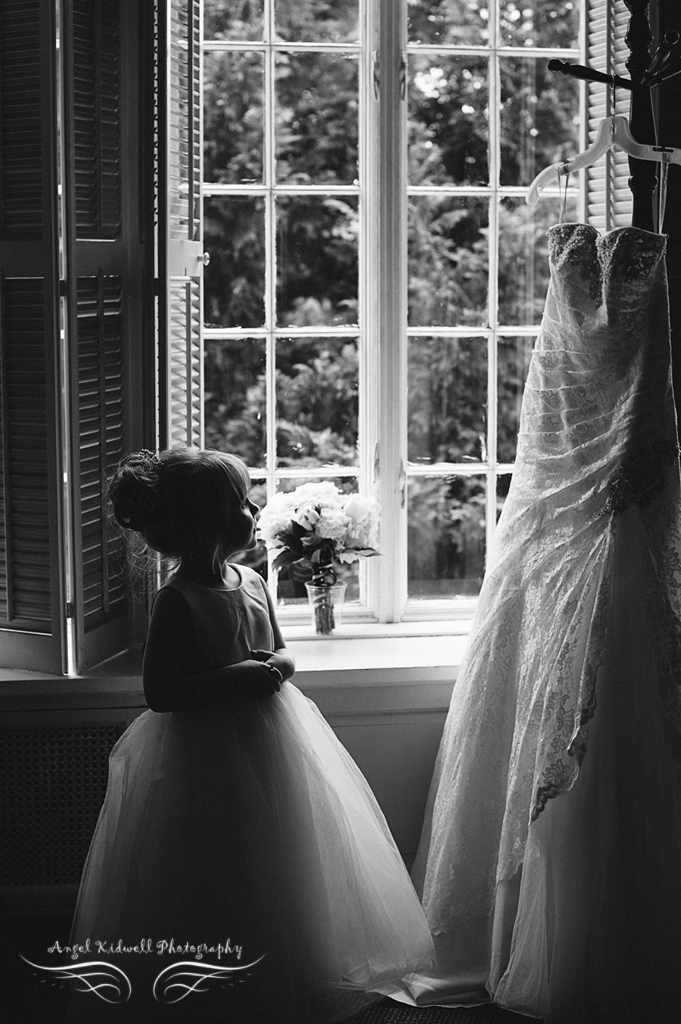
[326, 604]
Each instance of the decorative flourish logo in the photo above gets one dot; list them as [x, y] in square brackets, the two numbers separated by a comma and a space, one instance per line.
[178, 980]
[107, 981]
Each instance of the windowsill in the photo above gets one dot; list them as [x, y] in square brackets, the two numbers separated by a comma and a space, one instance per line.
[359, 655]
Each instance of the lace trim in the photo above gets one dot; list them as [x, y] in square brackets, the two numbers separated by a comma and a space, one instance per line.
[641, 477]
[631, 254]
[574, 244]
[568, 745]
[636, 255]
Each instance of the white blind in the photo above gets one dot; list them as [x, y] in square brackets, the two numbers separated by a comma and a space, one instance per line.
[609, 199]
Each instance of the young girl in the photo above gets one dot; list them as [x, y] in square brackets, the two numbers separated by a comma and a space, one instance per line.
[241, 868]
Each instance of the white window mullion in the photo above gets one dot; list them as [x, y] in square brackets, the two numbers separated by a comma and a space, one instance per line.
[583, 208]
[392, 311]
[368, 425]
[493, 295]
[269, 179]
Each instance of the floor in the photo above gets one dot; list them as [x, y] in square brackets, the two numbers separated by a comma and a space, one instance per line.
[25, 998]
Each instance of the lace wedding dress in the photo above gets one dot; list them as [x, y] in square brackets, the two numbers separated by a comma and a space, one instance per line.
[550, 859]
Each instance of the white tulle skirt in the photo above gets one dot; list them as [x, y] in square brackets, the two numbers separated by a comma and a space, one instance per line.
[248, 828]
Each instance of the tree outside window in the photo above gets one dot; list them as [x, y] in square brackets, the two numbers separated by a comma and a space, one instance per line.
[292, 180]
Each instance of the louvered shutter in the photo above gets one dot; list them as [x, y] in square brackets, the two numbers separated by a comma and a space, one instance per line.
[32, 629]
[103, 283]
[609, 198]
[180, 225]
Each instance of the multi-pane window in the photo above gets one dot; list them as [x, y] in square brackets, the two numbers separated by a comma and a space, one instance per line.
[321, 363]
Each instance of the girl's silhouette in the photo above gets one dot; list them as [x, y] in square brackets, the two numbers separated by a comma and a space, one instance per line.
[237, 838]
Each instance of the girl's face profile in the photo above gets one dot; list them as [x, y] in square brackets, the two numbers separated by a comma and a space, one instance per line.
[240, 527]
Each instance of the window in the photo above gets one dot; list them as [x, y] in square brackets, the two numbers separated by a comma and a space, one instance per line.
[372, 277]
[376, 279]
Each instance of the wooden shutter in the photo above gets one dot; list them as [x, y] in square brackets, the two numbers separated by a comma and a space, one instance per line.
[180, 224]
[103, 285]
[32, 627]
[609, 199]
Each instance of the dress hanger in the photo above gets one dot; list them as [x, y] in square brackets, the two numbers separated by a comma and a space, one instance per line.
[612, 131]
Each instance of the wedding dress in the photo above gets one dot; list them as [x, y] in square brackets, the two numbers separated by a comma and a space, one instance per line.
[550, 860]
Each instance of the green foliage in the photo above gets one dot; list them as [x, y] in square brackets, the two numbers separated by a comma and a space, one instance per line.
[316, 122]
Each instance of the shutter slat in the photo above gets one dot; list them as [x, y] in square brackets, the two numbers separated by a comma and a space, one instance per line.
[609, 199]
[101, 432]
[181, 240]
[21, 184]
[97, 116]
[25, 593]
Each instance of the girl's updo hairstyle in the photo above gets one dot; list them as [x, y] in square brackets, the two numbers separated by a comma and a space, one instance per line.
[179, 500]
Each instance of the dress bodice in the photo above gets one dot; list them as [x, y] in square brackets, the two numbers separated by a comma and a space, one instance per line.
[227, 624]
[598, 391]
[617, 273]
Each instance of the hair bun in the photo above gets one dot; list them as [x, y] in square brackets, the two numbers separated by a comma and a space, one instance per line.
[134, 490]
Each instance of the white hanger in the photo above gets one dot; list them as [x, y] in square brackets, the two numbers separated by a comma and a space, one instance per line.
[612, 131]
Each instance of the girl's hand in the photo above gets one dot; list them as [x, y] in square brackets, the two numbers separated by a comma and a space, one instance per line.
[259, 678]
[281, 661]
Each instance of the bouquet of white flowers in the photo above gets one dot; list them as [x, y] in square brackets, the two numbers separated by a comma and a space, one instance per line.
[315, 526]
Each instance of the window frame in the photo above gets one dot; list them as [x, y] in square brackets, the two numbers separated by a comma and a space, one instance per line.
[383, 468]
[145, 382]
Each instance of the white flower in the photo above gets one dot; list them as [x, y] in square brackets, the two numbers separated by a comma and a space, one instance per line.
[357, 508]
[348, 556]
[305, 514]
[365, 516]
[333, 523]
[346, 522]
[324, 493]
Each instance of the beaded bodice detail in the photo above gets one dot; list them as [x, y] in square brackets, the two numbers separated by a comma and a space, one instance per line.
[597, 454]
[625, 256]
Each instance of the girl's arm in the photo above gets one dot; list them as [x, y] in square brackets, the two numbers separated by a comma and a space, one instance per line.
[169, 682]
[280, 656]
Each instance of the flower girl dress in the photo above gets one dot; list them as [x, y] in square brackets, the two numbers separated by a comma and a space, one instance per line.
[244, 825]
[550, 859]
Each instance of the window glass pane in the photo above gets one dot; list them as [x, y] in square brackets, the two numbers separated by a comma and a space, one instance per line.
[448, 22]
[448, 120]
[448, 261]
[233, 117]
[317, 402]
[234, 280]
[539, 118]
[234, 383]
[232, 19]
[446, 535]
[523, 256]
[310, 21]
[513, 362]
[291, 591]
[316, 118]
[447, 399]
[317, 260]
[539, 23]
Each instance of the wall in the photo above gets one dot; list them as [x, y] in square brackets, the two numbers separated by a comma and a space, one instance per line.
[386, 699]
